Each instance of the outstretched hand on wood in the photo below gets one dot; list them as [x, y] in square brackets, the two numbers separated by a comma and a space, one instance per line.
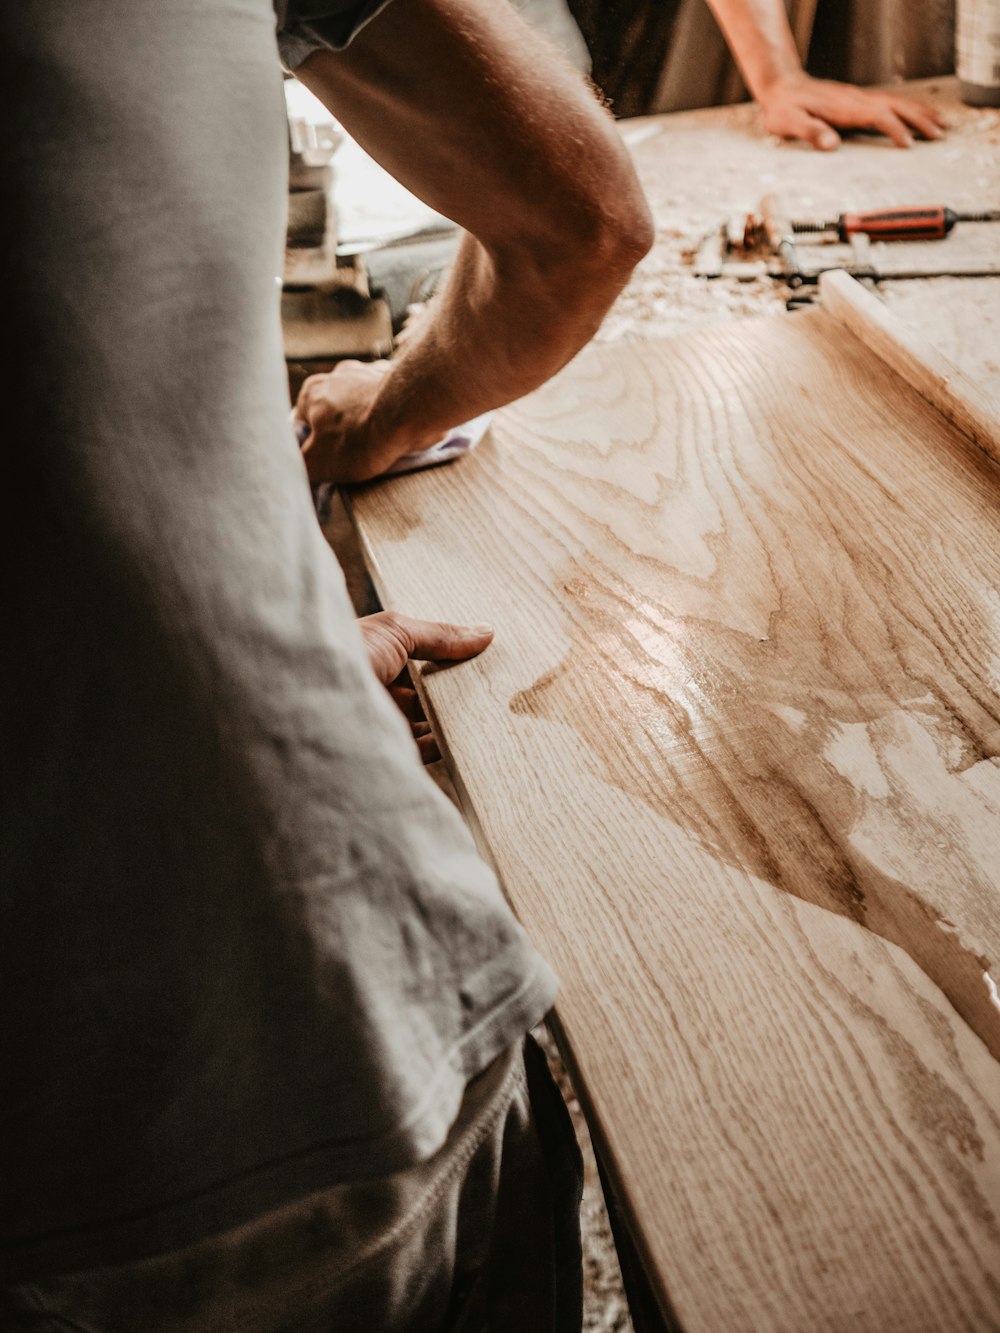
[392, 640]
[800, 107]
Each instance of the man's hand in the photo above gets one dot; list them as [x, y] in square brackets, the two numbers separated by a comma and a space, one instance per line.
[392, 640]
[337, 408]
[797, 106]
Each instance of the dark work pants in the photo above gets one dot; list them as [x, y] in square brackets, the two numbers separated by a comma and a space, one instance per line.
[482, 1238]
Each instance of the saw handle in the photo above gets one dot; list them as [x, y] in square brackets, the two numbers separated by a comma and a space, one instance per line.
[898, 224]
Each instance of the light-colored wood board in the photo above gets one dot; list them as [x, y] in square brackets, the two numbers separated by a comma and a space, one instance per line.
[734, 754]
[962, 318]
[908, 352]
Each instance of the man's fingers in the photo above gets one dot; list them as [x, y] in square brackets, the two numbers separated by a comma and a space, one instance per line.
[408, 702]
[304, 411]
[311, 387]
[428, 747]
[332, 418]
[795, 122]
[814, 110]
[391, 639]
[303, 431]
[924, 119]
[888, 123]
[437, 641]
[818, 133]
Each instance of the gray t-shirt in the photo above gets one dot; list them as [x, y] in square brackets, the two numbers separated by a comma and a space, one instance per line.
[248, 950]
[305, 26]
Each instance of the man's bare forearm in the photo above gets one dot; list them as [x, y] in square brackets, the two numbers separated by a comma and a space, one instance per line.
[503, 325]
[760, 38]
[476, 116]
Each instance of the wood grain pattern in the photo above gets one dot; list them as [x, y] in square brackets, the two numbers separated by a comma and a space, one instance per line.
[734, 752]
[911, 354]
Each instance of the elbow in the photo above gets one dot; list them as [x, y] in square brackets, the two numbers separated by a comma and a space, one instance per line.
[588, 274]
[611, 212]
[625, 226]
[577, 245]
[644, 231]
[624, 235]
[603, 233]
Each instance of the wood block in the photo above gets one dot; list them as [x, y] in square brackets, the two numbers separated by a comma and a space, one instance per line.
[319, 325]
[735, 755]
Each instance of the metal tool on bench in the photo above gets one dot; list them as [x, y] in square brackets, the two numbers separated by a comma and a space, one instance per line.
[931, 223]
[769, 244]
[752, 246]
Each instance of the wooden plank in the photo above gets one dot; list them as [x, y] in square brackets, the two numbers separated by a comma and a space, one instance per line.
[910, 353]
[734, 754]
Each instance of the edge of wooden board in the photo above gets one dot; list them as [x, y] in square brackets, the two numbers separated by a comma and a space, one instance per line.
[909, 354]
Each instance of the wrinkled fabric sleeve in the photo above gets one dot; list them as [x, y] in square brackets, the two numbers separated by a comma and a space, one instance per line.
[305, 26]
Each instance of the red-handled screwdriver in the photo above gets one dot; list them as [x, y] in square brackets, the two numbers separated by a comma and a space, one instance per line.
[898, 224]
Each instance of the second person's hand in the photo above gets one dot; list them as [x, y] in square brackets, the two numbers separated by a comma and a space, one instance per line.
[798, 106]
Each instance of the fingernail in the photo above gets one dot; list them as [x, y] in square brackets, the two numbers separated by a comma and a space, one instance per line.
[479, 630]
[828, 140]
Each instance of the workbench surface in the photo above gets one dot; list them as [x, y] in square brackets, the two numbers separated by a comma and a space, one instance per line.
[700, 167]
[734, 751]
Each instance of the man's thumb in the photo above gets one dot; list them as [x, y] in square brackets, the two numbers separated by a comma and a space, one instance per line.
[438, 641]
[818, 133]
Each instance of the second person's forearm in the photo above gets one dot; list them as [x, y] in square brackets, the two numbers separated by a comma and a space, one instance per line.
[760, 37]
